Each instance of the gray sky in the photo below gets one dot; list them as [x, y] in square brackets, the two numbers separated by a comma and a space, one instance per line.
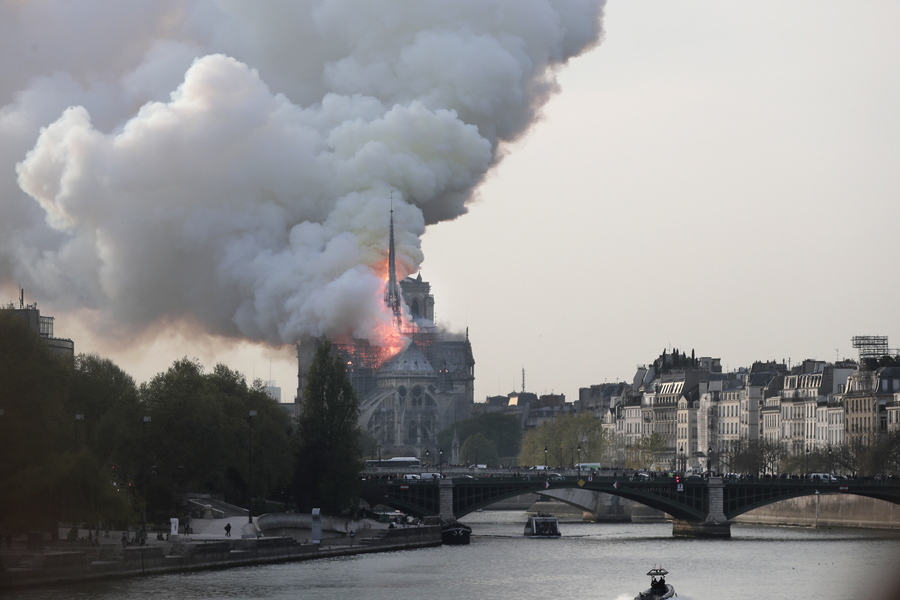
[713, 176]
[716, 176]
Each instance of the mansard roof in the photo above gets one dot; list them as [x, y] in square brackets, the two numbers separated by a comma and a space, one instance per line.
[761, 378]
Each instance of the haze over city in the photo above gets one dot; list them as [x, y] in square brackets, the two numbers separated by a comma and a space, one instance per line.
[710, 176]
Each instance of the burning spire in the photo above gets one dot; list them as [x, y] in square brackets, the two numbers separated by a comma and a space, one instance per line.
[392, 290]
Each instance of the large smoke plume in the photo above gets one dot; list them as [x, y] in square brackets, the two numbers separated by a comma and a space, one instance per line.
[232, 164]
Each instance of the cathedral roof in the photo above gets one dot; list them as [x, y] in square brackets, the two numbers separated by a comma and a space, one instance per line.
[410, 361]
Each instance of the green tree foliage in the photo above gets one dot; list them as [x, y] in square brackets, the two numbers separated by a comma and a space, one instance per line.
[503, 430]
[107, 466]
[479, 450]
[562, 437]
[198, 436]
[643, 454]
[329, 440]
[107, 399]
[44, 477]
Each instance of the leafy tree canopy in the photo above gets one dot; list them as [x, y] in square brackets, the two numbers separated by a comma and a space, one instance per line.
[562, 437]
[329, 440]
[503, 430]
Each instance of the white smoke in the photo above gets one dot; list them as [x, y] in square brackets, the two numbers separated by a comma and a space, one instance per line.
[233, 164]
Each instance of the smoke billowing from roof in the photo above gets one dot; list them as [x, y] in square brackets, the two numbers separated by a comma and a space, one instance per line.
[233, 164]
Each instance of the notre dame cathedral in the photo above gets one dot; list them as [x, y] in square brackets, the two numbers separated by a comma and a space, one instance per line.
[407, 398]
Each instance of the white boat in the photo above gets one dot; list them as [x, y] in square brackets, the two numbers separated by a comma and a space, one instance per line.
[542, 525]
[659, 589]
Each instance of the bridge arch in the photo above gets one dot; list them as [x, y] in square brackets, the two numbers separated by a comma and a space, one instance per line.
[701, 502]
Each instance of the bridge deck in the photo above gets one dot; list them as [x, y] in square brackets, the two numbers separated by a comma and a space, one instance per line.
[687, 499]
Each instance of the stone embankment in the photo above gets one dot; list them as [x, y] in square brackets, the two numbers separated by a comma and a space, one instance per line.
[67, 562]
[827, 511]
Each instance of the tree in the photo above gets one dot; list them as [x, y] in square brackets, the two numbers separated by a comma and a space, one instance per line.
[562, 437]
[32, 438]
[183, 446]
[646, 450]
[503, 430]
[329, 440]
[106, 397]
[198, 435]
[478, 449]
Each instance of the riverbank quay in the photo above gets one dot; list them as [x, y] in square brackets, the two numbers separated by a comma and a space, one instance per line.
[73, 561]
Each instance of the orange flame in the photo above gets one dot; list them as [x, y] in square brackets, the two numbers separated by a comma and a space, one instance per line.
[389, 338]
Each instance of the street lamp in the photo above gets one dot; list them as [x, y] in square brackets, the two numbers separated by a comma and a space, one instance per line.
[681, 456]
[806, 468]
[440, 458]
[709, 460]
[144, 472]
[78, 417]
[427, 457]
[579, 460]
[250, 416]
[545, 456]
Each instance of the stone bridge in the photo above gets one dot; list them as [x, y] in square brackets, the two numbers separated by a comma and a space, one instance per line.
[699, 507]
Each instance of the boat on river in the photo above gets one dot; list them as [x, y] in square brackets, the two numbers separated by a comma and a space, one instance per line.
[543, 526]
[659, 589]
[454, 533]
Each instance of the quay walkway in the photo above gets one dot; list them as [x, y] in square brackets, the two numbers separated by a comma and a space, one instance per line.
[25, 563]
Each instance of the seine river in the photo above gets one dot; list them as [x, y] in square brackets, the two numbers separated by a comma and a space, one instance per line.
[595, 561]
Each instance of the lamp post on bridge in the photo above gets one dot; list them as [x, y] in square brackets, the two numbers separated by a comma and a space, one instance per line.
[250, 416]
[709, 460]
[545, 457]
[440, 458]
[579, 461]
[427, 457]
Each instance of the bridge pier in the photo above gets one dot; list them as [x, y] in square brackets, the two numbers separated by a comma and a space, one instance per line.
[716, 524]
[445, 491]
[701, 529]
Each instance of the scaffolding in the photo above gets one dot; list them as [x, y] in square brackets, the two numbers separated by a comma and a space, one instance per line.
[872, 346]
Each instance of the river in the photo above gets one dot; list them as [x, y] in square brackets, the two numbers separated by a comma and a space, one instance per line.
[595, 561]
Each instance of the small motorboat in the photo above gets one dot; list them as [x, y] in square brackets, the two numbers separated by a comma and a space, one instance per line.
[659, 589]
[542, 525]
[454, 533]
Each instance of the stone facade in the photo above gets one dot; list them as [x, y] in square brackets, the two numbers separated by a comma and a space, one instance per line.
[408, 398]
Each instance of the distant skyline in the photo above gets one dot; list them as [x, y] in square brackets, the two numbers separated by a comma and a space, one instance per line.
[715, 177]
